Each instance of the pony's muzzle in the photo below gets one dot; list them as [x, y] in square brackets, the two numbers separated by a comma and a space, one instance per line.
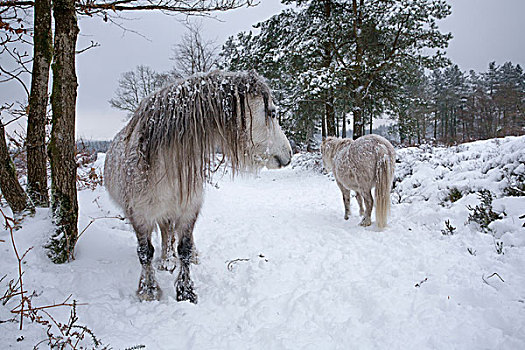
[282, 163]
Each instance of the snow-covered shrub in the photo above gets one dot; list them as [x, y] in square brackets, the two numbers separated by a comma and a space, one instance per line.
[453, 195]
[89, 178]
[515, 182]
[483, 214]
[449, 229]
[310, 161]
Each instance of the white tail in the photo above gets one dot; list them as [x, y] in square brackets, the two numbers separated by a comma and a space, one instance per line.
[385, 173]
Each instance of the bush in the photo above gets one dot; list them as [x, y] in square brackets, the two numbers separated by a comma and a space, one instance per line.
[449, 229]
[483, 214]
[515, 186]
[453, 195]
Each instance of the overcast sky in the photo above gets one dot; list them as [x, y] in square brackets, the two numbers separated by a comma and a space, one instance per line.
[484, 31]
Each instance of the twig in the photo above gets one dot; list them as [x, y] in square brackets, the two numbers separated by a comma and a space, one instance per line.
[98, 218]
[420, 283]
[46, 307]
[91, 46]
[494, 274]
[12, 120]
[9, 296]
[232, 262]
[8, 226]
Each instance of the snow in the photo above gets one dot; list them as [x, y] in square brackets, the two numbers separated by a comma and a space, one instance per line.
[306, 278]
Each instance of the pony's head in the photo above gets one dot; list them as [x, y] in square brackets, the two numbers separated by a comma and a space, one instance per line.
[186, 122]
[268, 144]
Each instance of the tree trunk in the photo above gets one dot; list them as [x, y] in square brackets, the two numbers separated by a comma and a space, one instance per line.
[418, 130]
[357, 111]
[435, 126]
[358, 123]
[330, 114]
[343, 133]
[13, 193]
[337, 131]
[323, 126]
[327, 62]
[36, 123]
[357, 86]
[62, 144]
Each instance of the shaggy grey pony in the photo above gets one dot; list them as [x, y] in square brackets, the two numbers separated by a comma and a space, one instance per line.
[361, 165]
[157, 164]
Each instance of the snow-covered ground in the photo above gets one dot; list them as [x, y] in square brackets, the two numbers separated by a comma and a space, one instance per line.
[308, 279]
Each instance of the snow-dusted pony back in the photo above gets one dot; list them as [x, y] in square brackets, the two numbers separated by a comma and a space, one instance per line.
[361, 165]
[156, 166]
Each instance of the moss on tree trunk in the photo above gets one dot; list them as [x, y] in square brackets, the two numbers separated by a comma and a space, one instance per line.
[38, 100]
[61, 147]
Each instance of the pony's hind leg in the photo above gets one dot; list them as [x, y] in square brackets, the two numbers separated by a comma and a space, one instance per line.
[360, 203]
[185, 250]
[168, 258]
[346, 199]
[148, 287]
[369, 205]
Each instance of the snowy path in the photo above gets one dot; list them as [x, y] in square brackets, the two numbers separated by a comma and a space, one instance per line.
[322, 282]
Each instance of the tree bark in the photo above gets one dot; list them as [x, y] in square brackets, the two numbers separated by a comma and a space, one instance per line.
[371, 124]
[13, 193]
[343, 133]
[327, 62]
[357, 111]
[323, 126]
[357, 86]
[37, 117]
[62, 144]
[330, 113]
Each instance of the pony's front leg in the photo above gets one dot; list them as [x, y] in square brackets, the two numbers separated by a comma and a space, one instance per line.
[168, 258]
[148, 287]
[185, 249]
[369, 205]
[346, 199]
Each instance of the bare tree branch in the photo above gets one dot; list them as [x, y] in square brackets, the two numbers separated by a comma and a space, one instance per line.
[91, 46]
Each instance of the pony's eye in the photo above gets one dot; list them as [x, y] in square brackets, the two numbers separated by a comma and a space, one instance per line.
[273, 113]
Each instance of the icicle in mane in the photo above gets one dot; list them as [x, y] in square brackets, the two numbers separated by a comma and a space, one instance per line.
[156, 166]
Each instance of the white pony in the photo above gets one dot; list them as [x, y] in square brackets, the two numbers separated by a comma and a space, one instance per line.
[156, 166]
[361, 165]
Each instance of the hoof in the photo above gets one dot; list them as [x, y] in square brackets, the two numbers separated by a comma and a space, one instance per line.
[168, 264]
[346, 217]
[195, 258]
[185, 293]
[149, 293]
[365, 222]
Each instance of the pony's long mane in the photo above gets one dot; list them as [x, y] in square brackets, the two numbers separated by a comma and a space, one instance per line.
[330, 146]
[187, 121]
